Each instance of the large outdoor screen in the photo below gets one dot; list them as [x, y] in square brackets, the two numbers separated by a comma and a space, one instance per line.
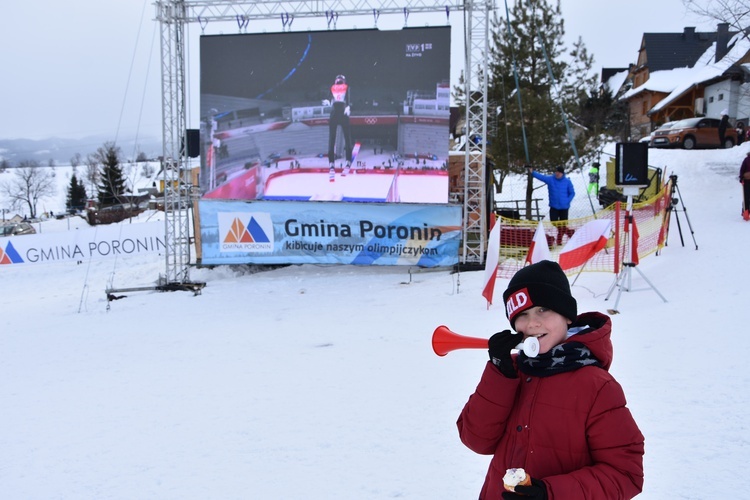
[354, 115]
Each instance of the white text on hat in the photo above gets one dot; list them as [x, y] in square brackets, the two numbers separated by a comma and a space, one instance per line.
[516, 301]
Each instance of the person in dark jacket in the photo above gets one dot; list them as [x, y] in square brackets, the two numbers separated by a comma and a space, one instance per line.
[594, 179]
[561, 415]
[561, 194]
[740, 132]
[745, 181]
[723, 124]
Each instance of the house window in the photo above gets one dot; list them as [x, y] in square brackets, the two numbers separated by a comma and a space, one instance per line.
[643, 108]
[721, 97]
[711, 99]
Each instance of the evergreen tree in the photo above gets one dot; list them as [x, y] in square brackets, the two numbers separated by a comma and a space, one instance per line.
[76, 199]
[543, 97]
[111, 182]
[604, 117]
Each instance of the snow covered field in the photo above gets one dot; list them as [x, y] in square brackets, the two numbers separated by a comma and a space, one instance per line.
[319, 382]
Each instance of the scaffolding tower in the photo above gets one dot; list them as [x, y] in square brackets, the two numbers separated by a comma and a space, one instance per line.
[174, 15]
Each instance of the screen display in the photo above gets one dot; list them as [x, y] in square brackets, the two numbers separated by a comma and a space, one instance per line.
[352, 115]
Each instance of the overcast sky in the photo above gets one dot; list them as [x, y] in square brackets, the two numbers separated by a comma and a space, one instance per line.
[66, 66]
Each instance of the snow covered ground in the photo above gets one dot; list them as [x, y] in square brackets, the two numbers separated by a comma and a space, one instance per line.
[319, 382]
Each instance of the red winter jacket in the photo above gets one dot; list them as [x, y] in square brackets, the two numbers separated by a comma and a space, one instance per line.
[745, 167]
[571, 429]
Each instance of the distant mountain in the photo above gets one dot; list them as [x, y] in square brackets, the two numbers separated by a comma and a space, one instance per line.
[62, 150]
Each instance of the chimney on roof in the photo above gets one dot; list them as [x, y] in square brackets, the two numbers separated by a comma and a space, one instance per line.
[722, 40]
[688, 33]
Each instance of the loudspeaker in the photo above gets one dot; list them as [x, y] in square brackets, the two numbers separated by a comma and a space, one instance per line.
[631, 164]
[192, 137]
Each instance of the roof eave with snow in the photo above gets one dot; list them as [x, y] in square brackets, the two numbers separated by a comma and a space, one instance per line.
[677, 82]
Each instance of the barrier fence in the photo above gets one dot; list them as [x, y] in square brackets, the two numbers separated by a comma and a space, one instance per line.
[651, 219]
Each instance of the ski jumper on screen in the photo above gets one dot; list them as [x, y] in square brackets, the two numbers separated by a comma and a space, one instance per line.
[339, 118]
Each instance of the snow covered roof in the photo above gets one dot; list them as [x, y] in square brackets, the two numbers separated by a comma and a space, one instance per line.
[662, 81]
[679, 80]
[616, 81]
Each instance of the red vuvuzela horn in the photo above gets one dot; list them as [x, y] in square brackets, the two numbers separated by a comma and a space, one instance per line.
[445, 341]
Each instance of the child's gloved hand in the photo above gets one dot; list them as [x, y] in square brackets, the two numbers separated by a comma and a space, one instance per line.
[326, 102]
[537, 491]
[500, 345]
[347, 110]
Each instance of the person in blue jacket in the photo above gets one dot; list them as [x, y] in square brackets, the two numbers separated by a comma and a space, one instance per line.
[561, 193]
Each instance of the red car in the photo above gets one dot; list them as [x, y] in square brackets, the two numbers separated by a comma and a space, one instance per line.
[693, 133]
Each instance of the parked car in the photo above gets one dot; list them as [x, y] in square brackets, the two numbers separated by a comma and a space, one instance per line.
[658, 132]
[15, 229]
[694, 133]
[111, 214]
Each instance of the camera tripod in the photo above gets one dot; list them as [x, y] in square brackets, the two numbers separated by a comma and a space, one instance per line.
[623, 281]
[674, 201]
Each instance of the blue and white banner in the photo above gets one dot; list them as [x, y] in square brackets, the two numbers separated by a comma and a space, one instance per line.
[267, 232]
[83, 244]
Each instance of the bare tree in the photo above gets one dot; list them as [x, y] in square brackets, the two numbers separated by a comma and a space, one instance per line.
[734, 12]
[75, 160]
[147, 170]
[91, 174]
[29, 185]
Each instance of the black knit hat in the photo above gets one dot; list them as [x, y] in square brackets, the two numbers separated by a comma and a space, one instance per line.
[541, 284]
[560, 169]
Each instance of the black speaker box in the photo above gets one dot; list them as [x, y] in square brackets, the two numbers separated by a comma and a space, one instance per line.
[631, 164]
[192, 137]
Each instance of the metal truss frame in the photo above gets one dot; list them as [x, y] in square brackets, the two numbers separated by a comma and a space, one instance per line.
[173, 15]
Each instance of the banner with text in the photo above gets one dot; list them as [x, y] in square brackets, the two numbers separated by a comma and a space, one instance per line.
[266, 232]
[83, 244]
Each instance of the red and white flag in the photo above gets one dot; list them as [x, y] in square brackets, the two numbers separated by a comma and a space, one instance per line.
[584, 244]
[634, 240]
[492, 262]
[539, 249]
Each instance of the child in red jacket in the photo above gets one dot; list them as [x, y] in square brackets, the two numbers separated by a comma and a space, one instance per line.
[560, 415]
